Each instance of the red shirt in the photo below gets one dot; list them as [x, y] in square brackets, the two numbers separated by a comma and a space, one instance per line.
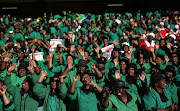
[163, 32]
[147, 44]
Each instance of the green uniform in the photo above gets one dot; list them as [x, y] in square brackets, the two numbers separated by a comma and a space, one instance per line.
[152, 100]
[116, 105]
[8, 107]
[19, 36]
[45, 93]
[23, 100]
[86, 102]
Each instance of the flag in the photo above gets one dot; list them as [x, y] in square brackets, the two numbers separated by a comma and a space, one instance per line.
[82, 17]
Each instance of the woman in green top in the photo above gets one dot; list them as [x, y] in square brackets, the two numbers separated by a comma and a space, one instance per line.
[5, 103]
[159, 98]
[122, 100]
[164, 48]
[53, 97]
[172, 82]
[86, 95]
[24, 99]
[141, 60]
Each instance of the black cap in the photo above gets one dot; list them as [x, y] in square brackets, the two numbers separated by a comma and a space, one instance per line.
[82, 62]
[101, 60]
[120, 84]
[156, 77]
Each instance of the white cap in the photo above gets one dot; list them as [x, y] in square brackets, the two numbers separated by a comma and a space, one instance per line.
[176, 26]
[125, 43]
[179, 17]
[10, 32]
[152, 34]
[144, 36]
[173, 36]
[29, 19]
[118, 21]
[161, 23]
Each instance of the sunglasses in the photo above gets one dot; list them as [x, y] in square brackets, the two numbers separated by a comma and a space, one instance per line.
[55, 80]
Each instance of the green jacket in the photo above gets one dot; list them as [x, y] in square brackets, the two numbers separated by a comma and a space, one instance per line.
[45, 94]
[116, 105]
[86, 102]
[23, 101]
[8, 107]
[152, 100]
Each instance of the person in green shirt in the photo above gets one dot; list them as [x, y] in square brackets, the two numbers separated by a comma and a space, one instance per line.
[102, 66]
[53, 97]
[86, 95]
[24, 99]
[18, 35]
[121, 99]
[159, 98]
[5, 103]
[172, 82]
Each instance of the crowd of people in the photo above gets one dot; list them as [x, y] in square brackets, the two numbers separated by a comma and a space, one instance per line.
[138, 71]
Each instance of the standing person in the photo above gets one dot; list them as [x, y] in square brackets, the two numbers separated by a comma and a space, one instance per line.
[24, 99]
[122, 100]
[159, 98]
[5, 103]
[53, 97]
[148, 43]
[86, 95]
[172, 82]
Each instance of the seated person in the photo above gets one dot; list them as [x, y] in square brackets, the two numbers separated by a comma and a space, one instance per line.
[159, 98]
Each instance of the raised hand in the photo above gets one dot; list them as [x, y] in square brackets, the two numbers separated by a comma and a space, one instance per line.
[128, 56]
[131, 49]
[32, 49]
[90, 81]
[151, 49]
[93, 66]
[142, 76]
[115, 42]
[106, 56]
[116, 62]
[90, 34]
[75, 78]
[7, 59]
[31, 69]
[44, 73]
[3, 90]
[51, 54]
[12, 67]
[97, 49]
[108, 93]
[117, 74]
[168, 45]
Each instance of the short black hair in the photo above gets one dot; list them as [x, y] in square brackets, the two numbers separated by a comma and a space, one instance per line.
[30, 82]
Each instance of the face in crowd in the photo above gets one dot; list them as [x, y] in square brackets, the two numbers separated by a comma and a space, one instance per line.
[161, 84]
[54, 82]
[85, 78]
[22, 73]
